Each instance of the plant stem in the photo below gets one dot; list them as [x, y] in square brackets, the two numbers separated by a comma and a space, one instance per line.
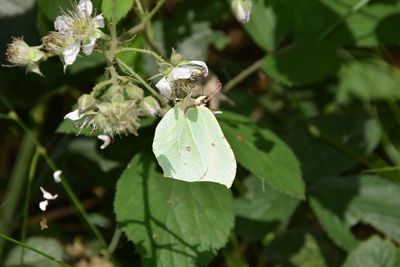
[140, 27]
[145, 51]
[28, 192]
[130, 71]
[115, 240]
[34, 250]
[243, 75]
[334, 26]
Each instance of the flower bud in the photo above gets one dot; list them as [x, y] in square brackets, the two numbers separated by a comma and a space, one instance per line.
[176, 58]
[86, 102]
[150, 106]
[133, 92]
[112, 90]
[117, 99]
[242, 9]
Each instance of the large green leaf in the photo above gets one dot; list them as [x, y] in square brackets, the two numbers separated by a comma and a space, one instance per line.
[363, 199]
[263, 153]
[300, 247]
[262, 209]
[372, 80]
[122, 8]
[49, 246]
[172, 223]
[268, 25]
[352, 130]
[305, 62]
[374, 252]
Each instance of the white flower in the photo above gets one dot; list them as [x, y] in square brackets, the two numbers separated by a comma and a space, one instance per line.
[47, 195]
[106, 140]
[186, 70]
[43, 205]
[83, 28]
[57, 176]
[242, 9]
[74, 115]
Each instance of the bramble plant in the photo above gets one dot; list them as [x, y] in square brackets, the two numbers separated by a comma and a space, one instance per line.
[168, 159]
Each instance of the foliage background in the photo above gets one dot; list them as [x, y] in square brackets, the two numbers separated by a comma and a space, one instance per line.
[314, 127]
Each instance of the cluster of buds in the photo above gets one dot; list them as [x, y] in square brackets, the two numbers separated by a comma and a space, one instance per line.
[117, 111]
[75, 30]
[242, 9]
[21, 54]
[180, 79]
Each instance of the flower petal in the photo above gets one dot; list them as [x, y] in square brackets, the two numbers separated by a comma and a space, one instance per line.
[106, 140]
[180, 73]
[74, 115]
[47, 195]
[99, 21]
[202, 64]
[43, 205]
[71, 52]
[56, 176]
[85, 8]
[87, 49]
[164, 87]
[63, 24]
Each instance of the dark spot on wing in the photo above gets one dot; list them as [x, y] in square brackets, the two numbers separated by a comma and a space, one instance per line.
[188, 148]
[213, 144]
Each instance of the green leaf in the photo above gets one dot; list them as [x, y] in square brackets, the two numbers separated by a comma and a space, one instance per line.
[261, 209]
[374, 252]
[353, 129]
[306, 62]
[372, 80]
[263, 153]
[195, 46]
[52, 8]
[48, 245]
[268, 25]
[366, 199]
[172, 223]
[299, 247]
[122, 8]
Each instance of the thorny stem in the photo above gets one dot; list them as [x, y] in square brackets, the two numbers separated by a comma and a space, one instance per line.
[140, 27]
[34, 250]
[31, 175]
[131, 72]
[243, 75]
[145, 51]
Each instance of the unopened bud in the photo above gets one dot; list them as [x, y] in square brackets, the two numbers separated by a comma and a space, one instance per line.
[176, 58]
[242, 9]
[133, 92]
[150, 106]
[86, 102]
[117, 99]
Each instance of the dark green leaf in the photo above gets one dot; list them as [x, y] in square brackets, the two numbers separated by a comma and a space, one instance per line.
[373, 80]
[340, 203]
[262, 208]
[263, 153]
[374, 252]
[268, 25]
[172, 223]
[306, 62]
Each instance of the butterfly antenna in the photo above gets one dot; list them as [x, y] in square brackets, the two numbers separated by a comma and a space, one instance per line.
[216, 90]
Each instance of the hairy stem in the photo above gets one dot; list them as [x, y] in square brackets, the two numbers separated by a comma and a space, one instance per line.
[145, 51]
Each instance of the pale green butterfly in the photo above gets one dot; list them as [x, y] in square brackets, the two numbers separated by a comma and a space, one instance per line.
[189, 145]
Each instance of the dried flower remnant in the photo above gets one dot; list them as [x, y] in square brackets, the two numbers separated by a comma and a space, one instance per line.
[21, 54]
[47, 195]
[57, 176]
[43, 205]
[181, 79]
